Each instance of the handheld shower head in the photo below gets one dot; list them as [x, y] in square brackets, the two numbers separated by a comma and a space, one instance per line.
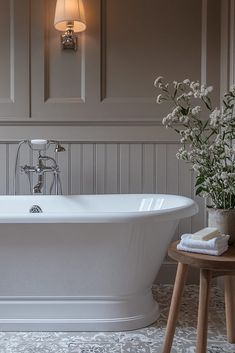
[38, 144]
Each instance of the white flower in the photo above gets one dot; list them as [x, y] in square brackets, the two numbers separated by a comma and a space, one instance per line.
[186, 81]
[196, 110]
[158, 80]
[183, 96]
[160, 99]
[214, 117]
[196, 167]
[224, 175]
[184, 119]
[194, 85]
[209, 89]
[176, 111]
[207, 142]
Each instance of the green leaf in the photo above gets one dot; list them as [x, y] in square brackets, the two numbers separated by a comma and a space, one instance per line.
[200, 180]
[227, 105]
[184, 111]
[199, 190]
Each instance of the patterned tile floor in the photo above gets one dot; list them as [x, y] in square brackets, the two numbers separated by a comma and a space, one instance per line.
[146, 340]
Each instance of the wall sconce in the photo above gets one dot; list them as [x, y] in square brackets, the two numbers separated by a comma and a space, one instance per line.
[69, 17]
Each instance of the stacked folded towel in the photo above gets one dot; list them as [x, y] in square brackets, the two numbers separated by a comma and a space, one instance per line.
[215, 246]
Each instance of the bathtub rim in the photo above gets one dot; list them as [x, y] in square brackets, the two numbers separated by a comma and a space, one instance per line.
[179, 212]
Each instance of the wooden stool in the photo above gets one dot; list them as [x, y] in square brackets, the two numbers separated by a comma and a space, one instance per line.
[210, 267]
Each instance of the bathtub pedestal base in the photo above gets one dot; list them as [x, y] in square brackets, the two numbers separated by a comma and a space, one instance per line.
[78, 314]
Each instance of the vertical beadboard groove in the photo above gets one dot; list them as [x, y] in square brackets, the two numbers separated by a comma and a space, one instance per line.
[7, 170]
[161, 168]
[124, 169]
[118, 169]
[129, 170]
[3, 169]
[81, 169]
[94, 169]
[142, 168]
[154, 168]
[69, 170]
[99, 172]
[105, 168]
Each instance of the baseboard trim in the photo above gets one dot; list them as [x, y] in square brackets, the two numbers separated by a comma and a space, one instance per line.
[96, 314]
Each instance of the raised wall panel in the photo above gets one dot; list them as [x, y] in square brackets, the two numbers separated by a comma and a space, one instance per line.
[65, 83]
[146, 39]
[14, 59]
[140, 41]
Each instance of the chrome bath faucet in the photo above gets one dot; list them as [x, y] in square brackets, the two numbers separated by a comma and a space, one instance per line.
[41, 168]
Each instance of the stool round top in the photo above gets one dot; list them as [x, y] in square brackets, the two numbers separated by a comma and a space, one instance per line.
[226, 261]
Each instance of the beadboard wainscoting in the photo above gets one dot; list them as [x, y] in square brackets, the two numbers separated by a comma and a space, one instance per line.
[97, 168]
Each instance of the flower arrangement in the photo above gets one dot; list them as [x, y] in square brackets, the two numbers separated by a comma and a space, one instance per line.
[207, 143]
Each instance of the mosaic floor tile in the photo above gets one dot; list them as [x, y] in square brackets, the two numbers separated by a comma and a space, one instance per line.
[145, 340]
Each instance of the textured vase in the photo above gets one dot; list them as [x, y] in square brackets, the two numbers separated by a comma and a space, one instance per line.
[223, 220]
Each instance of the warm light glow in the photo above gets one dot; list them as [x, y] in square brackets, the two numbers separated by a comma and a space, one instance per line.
[70, 12]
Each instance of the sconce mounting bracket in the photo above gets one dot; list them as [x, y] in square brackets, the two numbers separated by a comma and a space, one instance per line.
[69, 40]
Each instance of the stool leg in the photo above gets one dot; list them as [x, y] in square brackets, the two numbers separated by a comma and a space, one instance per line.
[202, 321]
[182, 270]
[229, 294]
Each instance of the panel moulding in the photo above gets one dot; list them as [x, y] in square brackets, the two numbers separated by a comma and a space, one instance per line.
[58, 100]
[103, 76]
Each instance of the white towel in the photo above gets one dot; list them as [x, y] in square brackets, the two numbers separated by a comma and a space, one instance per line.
[216, 243]
[215, 252]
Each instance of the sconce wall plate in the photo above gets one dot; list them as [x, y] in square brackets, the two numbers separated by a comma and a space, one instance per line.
[69, 40]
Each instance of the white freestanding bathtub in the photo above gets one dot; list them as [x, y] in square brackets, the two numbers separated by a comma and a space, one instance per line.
[85, 263]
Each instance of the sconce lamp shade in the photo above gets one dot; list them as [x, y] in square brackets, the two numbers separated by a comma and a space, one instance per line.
[67, 12]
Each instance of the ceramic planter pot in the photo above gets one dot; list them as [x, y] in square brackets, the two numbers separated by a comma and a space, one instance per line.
[223, 220]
